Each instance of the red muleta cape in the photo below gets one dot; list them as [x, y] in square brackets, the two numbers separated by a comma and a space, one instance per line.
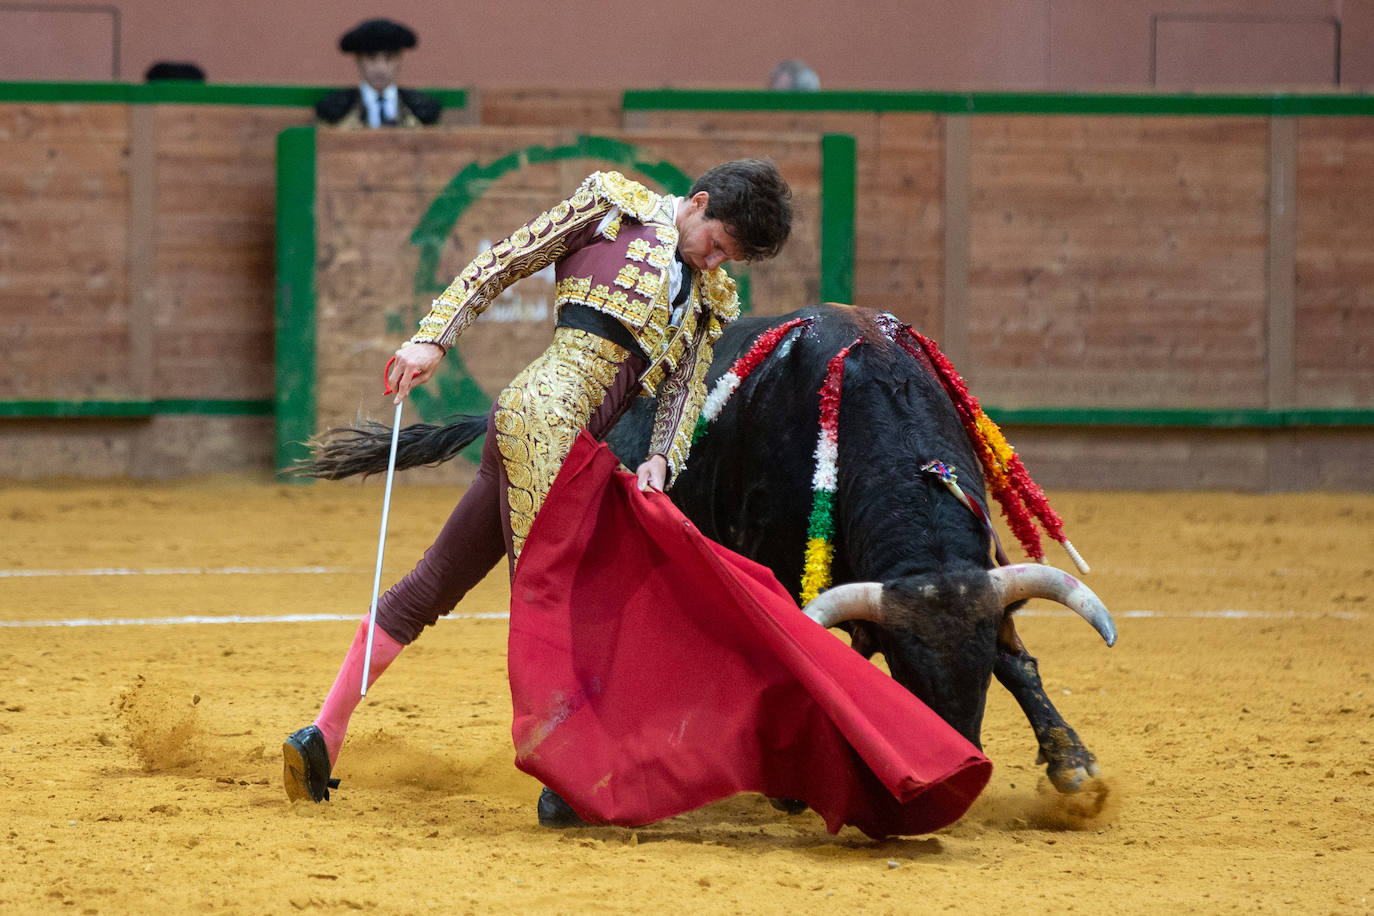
[653, 671]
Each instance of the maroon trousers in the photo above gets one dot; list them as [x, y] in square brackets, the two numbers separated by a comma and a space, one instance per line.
[478, 533]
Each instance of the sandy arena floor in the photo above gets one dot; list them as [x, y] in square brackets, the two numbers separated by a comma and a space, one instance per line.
[140, 766]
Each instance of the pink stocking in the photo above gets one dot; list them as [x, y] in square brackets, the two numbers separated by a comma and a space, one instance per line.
[346, 693]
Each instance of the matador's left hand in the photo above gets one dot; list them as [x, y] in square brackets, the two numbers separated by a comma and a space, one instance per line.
[652, 473]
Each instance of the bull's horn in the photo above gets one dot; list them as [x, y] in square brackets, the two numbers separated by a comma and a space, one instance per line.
[853, 601]
[1032, 580]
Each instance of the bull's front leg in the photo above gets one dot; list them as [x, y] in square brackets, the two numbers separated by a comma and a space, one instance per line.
[1069, 763]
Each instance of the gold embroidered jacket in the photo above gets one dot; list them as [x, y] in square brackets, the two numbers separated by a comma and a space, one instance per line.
[612, 244]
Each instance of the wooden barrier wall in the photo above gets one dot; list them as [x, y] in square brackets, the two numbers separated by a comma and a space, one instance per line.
[1114, 261]
[137, 290]
[1145, 290]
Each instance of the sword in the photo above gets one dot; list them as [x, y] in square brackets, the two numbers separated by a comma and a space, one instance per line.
[381, 540]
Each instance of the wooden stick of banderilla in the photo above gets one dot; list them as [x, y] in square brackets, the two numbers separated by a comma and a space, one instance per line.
[381, 540]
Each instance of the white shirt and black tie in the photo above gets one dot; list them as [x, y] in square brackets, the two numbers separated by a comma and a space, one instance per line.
[380, 108]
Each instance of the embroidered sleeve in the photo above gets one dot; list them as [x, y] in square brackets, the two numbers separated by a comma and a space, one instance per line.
[682, 393]
[672, 402]
[680, 397]
[527, 250]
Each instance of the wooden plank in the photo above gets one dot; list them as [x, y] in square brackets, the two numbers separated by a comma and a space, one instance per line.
[562, 107]
[954, 324]
[63, 123]
[231, 362]
[211, 130]
[142, 247]
[1143, 459]
[216, 254]
[1282, 259]
[180, 446]
[1334, 292]
[900, 244]
[1115, 242]
[64, 223]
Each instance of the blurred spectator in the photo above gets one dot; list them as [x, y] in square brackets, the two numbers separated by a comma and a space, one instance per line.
[377, 101]
[174, 70]
[794, 75]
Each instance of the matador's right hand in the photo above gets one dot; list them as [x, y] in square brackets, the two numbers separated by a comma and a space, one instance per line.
[414, 365]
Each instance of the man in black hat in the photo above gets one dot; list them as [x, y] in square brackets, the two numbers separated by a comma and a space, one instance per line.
[378, 101]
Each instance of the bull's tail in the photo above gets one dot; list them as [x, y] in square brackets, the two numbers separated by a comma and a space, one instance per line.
[364, 449]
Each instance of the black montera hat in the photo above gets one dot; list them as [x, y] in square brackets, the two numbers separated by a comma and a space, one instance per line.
[377, 35]
[174, 70]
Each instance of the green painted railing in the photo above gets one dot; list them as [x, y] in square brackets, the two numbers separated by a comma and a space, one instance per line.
[134, 409]
[295, 359]
[1153, 417]
[839, 189]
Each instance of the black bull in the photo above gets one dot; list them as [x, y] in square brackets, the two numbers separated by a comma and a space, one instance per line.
[912, 566]
[941, 621]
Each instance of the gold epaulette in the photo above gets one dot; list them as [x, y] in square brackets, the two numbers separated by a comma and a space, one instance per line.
[631, 197]
[721, 294]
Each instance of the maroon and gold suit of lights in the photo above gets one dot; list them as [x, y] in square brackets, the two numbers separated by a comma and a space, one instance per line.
[612, 244]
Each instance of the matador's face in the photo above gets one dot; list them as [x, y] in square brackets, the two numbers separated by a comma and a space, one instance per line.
[704, 244]
[380, 69]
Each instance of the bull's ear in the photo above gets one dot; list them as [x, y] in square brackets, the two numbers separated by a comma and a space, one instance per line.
[852, 601]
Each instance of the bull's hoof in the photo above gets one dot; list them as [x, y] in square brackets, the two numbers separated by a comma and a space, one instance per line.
[1072, 771]
[788, 805]
[1071, 779]
[1069, 764]
[553, 811]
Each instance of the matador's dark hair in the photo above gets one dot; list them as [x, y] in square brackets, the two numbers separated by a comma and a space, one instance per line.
[751, 198]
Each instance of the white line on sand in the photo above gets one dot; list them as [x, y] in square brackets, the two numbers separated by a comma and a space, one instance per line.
[1209, 615]
[314, 618]
[178, 571]
[226, 618]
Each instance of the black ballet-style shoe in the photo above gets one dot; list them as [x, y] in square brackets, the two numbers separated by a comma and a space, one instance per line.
[555, 812]
[305, 766]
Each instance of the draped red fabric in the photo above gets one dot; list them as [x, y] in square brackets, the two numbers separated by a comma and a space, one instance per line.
[653, 671]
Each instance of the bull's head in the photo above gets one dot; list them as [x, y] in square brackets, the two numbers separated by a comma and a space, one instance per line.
[938, 632]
